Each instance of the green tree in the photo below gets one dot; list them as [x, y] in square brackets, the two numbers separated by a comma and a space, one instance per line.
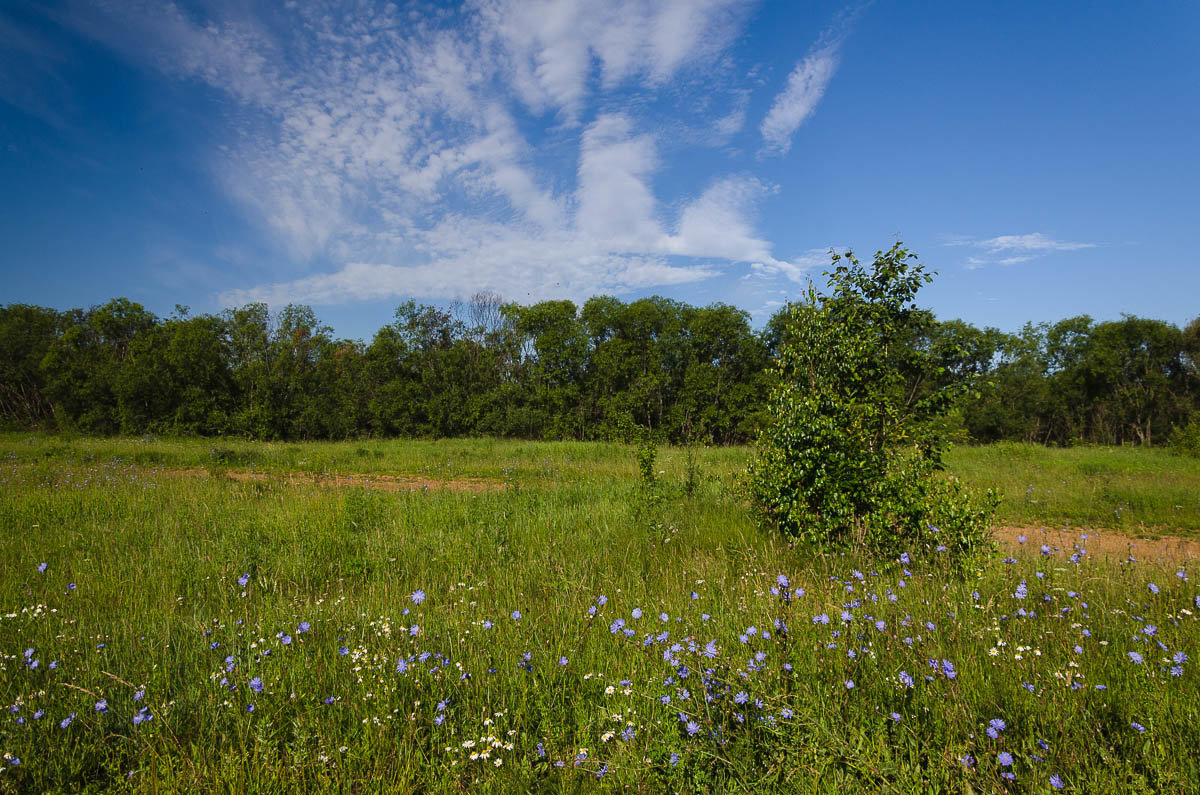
[850, 457]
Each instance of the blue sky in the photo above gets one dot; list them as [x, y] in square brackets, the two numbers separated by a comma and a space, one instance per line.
[1043, 158]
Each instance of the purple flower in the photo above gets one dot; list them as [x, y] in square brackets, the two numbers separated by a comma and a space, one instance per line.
[967, 760]
[1153, 588]
[330, 700]
[849, 684]
[249, 707]
[1137, 658]
[663, 617]
[637, 612]
[821, 619]
[741, 697]
[906, 679]
[41, 568]
[241, 581]
[616, 626]
[256, 684]
[1056, 781]
[286, 640]
[102, 705]
[562, 661]
[1141, 729]
[948, 669]
[896, 717]
[304, 627]
[142, 715]
[401, 665]
[692, 728]
[995, 726]
[418, 596]
[66, 721]
[1004, 758]
[516, 615]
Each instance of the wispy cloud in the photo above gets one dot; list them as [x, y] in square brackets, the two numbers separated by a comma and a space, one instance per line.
[806, 85]
[392, 150]
[1018, 248]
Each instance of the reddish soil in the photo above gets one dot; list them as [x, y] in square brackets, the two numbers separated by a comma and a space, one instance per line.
[375, 482]
[1104, 543]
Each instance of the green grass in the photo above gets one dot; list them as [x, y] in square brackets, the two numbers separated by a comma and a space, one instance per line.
[155, 558]
[1134, 490]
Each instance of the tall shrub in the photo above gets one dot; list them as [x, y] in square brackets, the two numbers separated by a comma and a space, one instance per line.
[851, 454]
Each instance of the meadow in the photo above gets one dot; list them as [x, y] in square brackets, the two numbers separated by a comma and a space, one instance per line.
[478, 615]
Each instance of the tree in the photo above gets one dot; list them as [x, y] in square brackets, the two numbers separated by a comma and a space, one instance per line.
[851, 456]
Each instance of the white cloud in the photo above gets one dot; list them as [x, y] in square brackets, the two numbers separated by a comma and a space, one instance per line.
[398, 149]
[798, 100]
[1019, 248]
[1032, 242]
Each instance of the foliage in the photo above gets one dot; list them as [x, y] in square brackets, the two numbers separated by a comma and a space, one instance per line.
[851, 453]
[554, 370]
[1185, 439]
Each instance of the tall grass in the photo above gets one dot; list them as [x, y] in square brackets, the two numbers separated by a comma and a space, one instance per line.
[524, 667]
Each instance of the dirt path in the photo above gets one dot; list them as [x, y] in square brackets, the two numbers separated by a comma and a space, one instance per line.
[342, 480]
[1104, 543]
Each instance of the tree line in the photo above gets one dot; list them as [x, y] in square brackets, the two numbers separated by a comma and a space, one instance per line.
[554, 370]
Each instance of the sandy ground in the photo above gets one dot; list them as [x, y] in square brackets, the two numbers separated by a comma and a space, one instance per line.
[1102, 543]
[375, 482]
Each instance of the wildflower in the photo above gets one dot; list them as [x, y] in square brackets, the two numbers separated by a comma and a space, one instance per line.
[330, 700]
[1004, 758]
[821, 619]
[1180, 657]
[488, 624]
[674, 760]
[562, 661]
[516, 615]
[786, 713]
[967, 760]
[1153, 588]
[256, 684]
[948, 669]
[102, 705]
[66, 721]
[849, 684]
[401, 665]
[1137, 658]
[782, 581]
[995, 726]
[343, 651]
[663, 617]
[637, 612]
[241, 581]
[616, 626]
[692, 728]
[602, 600]
[1056, 781]
[41, 568]
[741, 697]
[1141, 729]
[880, 625]
[249, 707]
[286, 640]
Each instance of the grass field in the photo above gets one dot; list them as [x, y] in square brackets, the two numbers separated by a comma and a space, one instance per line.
[555, 626]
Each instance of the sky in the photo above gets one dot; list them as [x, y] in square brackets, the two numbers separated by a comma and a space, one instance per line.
[1042, 158]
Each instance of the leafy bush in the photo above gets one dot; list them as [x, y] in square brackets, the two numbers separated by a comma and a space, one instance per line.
[853, 450]
[1185, 439]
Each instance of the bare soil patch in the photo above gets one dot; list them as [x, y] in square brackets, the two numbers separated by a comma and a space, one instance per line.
[1105, 543]
[345, 480]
